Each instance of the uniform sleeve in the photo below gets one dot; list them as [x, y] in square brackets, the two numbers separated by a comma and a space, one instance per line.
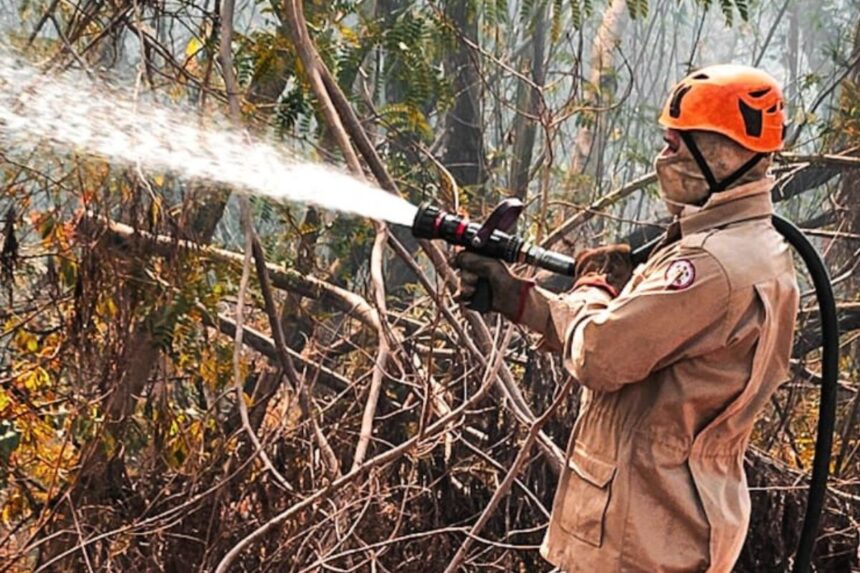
[677, 310]
[562, 311]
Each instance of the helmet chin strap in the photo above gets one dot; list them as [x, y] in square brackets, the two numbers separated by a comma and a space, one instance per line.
[715, 186]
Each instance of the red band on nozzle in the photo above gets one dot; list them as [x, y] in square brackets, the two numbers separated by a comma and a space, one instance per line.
[437, 223]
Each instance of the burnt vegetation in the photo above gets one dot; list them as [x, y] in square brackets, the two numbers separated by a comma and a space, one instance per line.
[336, 410]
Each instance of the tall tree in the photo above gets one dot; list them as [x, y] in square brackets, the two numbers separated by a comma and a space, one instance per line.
[590, 141]
[529, 102]
[464, 127]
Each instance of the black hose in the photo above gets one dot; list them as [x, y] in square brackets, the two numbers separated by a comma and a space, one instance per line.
[829, 385]
[829, 380]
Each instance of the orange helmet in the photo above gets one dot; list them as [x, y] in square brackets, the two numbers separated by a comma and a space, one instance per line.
[743, 103]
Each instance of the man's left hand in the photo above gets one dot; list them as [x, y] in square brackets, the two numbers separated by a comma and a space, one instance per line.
[613, 262]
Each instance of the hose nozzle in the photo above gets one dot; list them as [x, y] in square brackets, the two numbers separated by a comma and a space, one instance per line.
[492, 239]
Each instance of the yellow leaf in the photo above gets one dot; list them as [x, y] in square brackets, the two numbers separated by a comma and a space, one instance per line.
[35, 379]
[109, 443]
[30, 380]
[13, 508]
[193, 47]
[176, 90]
[26, 340]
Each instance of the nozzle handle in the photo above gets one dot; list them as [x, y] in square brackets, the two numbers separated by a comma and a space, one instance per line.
[482, 300]
[503, 218]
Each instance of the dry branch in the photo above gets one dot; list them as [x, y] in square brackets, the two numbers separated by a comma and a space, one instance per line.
[386, 514]
[611, 198]
[266, 346]
[833, 159]
[238, 382]
[383, 351]
[505, 486]
[308, 286]
[314, 68]
[386, 457]
[285, 360]
[605, 201]
[290, 280]
[809, 338]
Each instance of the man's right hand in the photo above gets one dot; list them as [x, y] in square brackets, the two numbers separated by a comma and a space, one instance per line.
[506, 289]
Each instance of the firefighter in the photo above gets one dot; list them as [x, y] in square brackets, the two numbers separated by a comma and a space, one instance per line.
[676, 356]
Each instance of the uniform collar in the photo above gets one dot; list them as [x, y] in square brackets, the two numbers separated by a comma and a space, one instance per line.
[748, 201]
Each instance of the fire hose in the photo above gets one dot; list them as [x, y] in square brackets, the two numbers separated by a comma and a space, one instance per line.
[494, 239]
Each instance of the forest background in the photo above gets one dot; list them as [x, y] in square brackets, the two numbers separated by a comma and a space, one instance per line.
[361, 420]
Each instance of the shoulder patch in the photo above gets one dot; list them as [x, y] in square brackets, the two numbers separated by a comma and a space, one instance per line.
[680, 274]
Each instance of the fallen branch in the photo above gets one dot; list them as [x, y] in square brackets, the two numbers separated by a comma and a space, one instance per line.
[266, 346]
[285, 279]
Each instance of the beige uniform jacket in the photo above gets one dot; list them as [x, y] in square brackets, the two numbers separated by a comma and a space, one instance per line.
[676, 369]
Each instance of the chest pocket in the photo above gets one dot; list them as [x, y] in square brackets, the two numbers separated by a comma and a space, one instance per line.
[586, 496]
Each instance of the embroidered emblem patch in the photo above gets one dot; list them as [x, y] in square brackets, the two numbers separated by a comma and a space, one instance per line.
[681, 274]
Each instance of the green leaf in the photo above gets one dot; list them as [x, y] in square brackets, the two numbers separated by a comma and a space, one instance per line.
[588, 7]
[557, 18]
[728, 11]
[292, 104]
[526, 10]
[576, 14]
[501, 11]
[743, 9]
[637, 8]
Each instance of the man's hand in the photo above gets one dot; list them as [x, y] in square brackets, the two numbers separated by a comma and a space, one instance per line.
[612, 262]
[507, 290]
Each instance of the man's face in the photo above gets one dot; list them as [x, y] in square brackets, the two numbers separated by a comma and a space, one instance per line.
[681, 180]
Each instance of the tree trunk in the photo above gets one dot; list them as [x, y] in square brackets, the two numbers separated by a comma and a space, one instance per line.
[464, 150]
[590, 140]
[528, 100]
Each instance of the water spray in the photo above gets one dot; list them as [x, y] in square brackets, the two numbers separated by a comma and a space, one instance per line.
[70, 112]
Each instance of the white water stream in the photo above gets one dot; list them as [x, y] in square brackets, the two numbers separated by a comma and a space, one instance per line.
[72, 113]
